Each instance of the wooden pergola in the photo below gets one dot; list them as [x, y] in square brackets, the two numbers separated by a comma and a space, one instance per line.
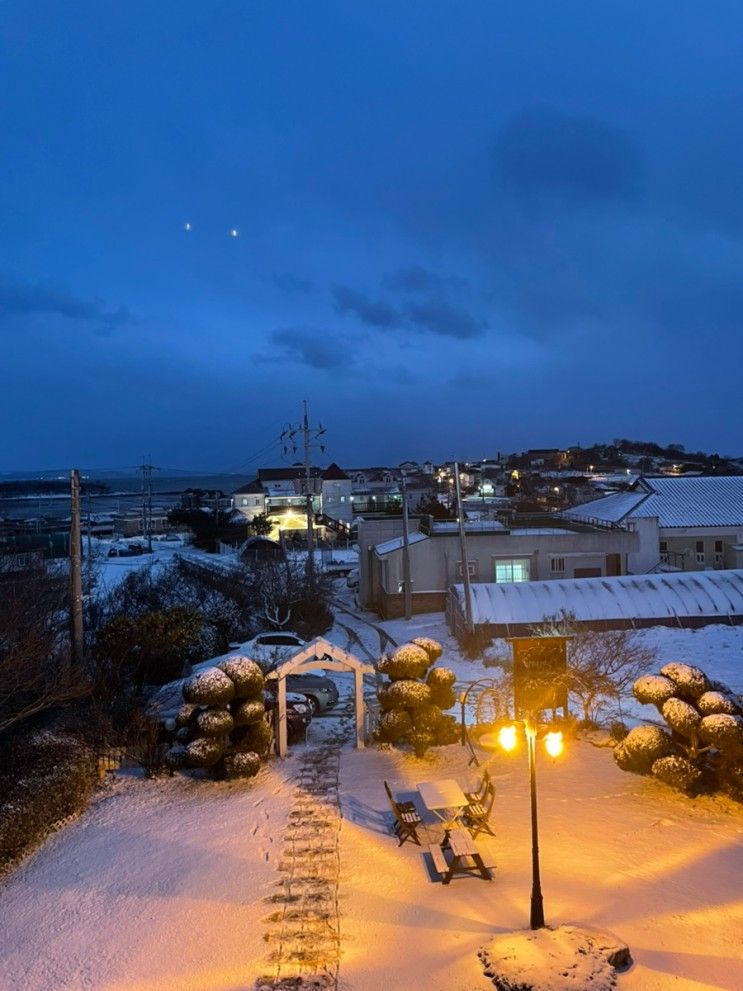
[320, 653]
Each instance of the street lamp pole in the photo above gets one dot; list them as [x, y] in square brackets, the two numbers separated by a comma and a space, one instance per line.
[537, 907]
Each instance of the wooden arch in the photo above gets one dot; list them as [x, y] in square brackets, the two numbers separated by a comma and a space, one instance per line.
[320, 653]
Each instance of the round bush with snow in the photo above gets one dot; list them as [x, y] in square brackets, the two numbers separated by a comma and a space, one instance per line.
[713, 703]
[204, 752]
[394, 726]
[215, 722]
[724, 732]
[653, 689]
[690, 682]
[249, 712]
[681, 716]
[257, 737]
[245, 674]
[409, 694]
[407, 662]
[432, 647]
[185, 715]
[642, 746]
[242, 765]
[678, 772]
[210, 687]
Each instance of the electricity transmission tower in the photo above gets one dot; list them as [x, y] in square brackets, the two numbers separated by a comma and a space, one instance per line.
[147, 470]
[309, 436]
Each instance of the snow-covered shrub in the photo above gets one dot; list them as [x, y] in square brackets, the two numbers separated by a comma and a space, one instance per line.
[242, 765]
[386, 702]
[654, 689]
[185, 715]
[432, 647]
[441, 682]
[246, 676]
[712, 703]
[447, 731]
[642, 746]
[725, 733]
[407, 662]
[210, 687]
[409, 694]
[420, 741]
[204, 751]
[427, 718]
[215, 722]
[256, 737]
[249, 712]
[681, 716]
[678, 772]
[690, 682]
[176, 758]
[394, 726]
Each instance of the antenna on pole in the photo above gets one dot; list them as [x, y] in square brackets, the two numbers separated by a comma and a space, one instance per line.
[465, 563]
[309, 436]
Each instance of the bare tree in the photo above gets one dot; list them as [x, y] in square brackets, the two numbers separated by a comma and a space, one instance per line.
[35, 663]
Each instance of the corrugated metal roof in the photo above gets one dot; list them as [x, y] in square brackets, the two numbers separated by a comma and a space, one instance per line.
[686, 594]
[677, 502]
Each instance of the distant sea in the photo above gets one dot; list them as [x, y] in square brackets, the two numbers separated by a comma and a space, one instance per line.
[125, 493]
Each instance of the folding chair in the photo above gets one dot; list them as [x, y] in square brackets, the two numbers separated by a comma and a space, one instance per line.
[473, 797]
[406, 820]
[477, 814]
[403, 806]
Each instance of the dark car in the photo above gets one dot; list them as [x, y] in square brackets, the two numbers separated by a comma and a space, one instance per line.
[320, 691]
[298, 714]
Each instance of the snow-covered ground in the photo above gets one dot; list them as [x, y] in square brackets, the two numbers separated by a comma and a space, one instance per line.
[165, 885]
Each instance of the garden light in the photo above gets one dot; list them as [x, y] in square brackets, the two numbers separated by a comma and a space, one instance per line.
[553, 743]
[507, 737]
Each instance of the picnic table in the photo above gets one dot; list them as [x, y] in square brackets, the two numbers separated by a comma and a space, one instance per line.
[445, 799]
[463, 849]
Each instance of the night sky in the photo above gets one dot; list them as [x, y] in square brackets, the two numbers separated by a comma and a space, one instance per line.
[462, 227]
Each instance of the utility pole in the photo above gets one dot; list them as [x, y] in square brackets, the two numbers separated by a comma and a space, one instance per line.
[308, 433]
[465, 564]
[406, 583]
[147, 470]
[90, 541]
[76, 581]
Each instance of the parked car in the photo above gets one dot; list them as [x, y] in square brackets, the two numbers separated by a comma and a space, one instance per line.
[353, 578]
[298, 713]
[272, 649]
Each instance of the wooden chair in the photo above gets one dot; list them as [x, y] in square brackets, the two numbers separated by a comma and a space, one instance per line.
[476, 816]
[406, 821]
[478, 795]
[403, 806]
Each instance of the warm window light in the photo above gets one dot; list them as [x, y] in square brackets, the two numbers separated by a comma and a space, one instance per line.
[507, 737]
[553, 743]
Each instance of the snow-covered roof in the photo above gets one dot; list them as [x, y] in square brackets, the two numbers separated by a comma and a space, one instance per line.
[396, 543]
[677, 502]
[630, 598]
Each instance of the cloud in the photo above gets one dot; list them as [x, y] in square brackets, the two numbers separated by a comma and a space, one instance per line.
[307, 346]
[418, 279]
[439, 317]
[375, 313]
[545, 153]
[18, 299]
[292, 283]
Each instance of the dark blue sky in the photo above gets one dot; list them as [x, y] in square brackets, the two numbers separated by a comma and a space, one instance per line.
[463, 227]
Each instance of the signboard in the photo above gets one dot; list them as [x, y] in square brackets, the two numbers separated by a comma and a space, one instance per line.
[540, 674]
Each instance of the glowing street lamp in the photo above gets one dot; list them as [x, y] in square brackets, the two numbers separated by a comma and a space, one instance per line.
[553, 743]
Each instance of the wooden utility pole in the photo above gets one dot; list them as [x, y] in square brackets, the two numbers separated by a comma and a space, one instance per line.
[465, 564]
[76, 580]
[406, 583]
[310, 507]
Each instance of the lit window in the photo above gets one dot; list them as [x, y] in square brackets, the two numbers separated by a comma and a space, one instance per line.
[512, 570]
[243, 502]
[558, 564]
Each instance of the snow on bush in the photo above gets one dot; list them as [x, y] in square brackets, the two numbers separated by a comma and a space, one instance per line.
[394, 726]
[242, 765]
[441, 682]
[246, 676]
[420, 741]
[427, 718]
[678, 772]
[409, 694]
[185, 715]
[176, 758]
[725, 733]
[681, 716]
[204, 752]
[256, 737]
[690, 682]
[642, 746]
[712, 703]
[248, 712]
[432, 647]
[653, 689]
[407, 662]
[210, 687]
[215, 722]
[385, 701]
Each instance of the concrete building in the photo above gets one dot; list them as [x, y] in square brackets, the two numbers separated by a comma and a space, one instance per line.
[529, 549]
[684, 524]
[281, 494]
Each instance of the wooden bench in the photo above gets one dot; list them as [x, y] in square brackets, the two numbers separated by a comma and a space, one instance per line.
[462, 847]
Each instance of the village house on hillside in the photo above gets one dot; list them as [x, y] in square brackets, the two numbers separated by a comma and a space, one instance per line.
[281, 494]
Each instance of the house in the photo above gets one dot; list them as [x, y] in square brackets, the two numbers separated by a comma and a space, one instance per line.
[688, 523]
[528, 549]
[281, 493]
